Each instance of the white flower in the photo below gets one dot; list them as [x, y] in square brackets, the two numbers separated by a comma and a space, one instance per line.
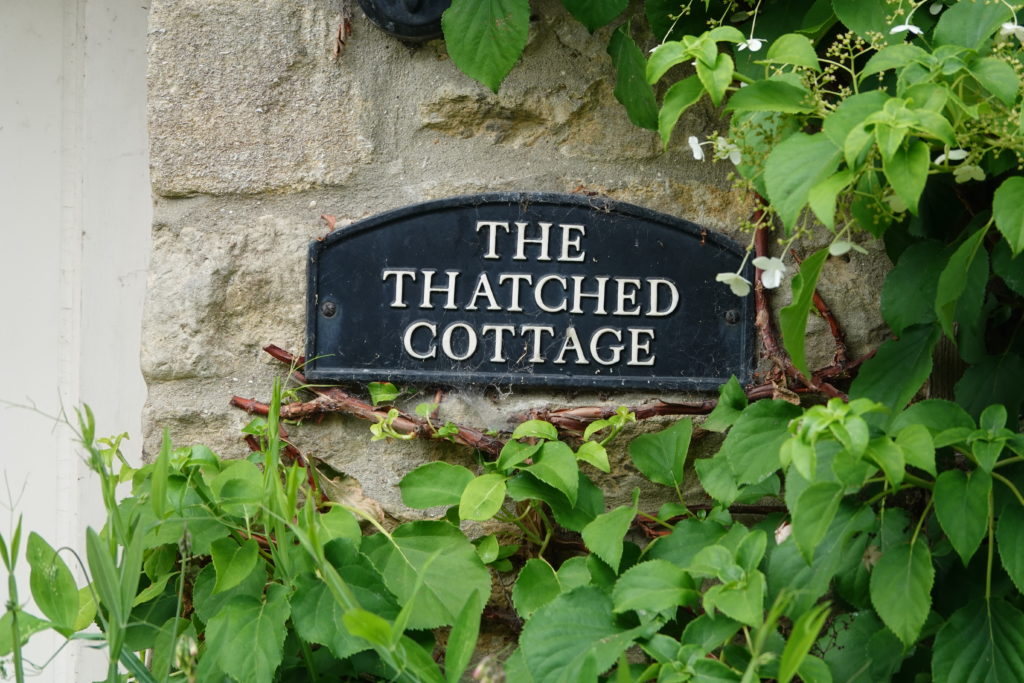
[840, 247]
[773, 269]
[968, 172]
[739, 285]
[1012, 28]
[728, 150]
[782, 532]
[753, 44]
[903, 28]
[694, 144]
[935, 8]
[952, 155]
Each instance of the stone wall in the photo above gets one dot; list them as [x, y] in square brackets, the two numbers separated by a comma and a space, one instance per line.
[258, 126]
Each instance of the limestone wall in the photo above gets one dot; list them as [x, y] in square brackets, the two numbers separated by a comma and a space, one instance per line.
[258, 126]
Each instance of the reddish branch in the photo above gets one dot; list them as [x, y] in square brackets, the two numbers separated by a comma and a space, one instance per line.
[333, 399]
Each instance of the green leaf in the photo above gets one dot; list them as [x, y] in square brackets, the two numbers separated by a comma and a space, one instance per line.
[953, 280]
[888, 456]
[998, 77]
[536, 429]
[453, 574]
[462, 638]
[487, 548]
[961, 504]
[536, 586]
[318, 618]
[515, 452]
[752, 446]
[246, 637]
[368, 626]
[556, 466]
[741, 600]
[680, 97]
[794, 166]
[970, 23]
[158, 481]
[52, 584]
[893, 57]
[717, 479]
[233, 562]
[1010, 541]
[435, 483]
[482, 497]
[574, 627]
[731, 402]
[663, 58]
[1008, 211]
[207, 604]
[935, 414]
[822, 196]
[605, 534]
[801, 638]
[382, 392]
[993, 380]
[631, 87]
[716, 78]
[815, 509]
[486, 37]
[982, 642]
[901, 585]
[595, 13]
[851, 113]
[908, 295]
[594, 453]
[28, 626]
[793, 318]
[653, 586]
[661, 456]
[915, 441]
[1008, 267]
[794, 49]
[907, 171]
[771, 95]
[866, 19]
[898, 369]
[589, 499]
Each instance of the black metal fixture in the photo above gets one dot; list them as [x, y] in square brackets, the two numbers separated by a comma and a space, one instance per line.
[407, 19]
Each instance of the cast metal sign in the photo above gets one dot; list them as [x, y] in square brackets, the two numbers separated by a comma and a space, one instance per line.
[527, 289]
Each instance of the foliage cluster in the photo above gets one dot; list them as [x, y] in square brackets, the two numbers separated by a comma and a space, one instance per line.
[898, 550]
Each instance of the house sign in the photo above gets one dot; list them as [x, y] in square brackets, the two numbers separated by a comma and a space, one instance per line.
[527, 289]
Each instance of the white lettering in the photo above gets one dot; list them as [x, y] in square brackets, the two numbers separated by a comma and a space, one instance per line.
[516, 279]
[448, 290]
[492, 236]
[446, 341]
[407, 340]
[635, 345]
[538, 294]
[627, 297]
[537, 331]
[499, 334]
[654, 311]
[571, 343]
[595, 345]
[567, 242]
[483, 288]
[578, 294]
[522, 241]
[400, 275]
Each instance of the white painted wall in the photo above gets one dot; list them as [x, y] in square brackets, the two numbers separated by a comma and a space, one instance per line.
[75, 214]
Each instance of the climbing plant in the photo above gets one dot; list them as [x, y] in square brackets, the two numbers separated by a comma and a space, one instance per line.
[888, 536]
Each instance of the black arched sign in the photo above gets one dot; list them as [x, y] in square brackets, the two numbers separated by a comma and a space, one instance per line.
[527, 289]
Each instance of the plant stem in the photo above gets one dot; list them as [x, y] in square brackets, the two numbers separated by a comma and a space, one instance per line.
[1009, 484]
[920, 522]
[991, 545]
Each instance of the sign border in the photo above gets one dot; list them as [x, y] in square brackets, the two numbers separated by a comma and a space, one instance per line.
[548, 380]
